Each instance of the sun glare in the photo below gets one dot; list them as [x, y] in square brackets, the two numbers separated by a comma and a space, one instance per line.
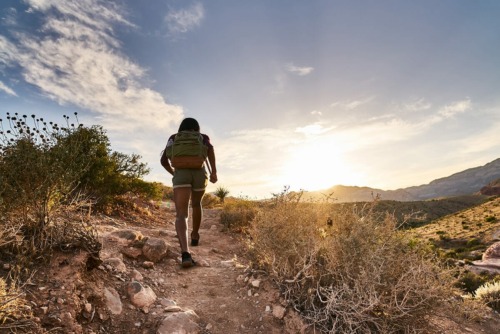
[316, 166]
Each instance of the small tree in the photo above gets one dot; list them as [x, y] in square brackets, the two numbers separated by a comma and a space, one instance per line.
[221, 193]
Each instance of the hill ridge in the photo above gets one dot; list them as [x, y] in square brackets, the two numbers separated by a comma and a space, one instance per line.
[466, 182]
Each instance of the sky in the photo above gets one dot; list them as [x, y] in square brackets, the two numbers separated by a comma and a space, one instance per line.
[306, 94]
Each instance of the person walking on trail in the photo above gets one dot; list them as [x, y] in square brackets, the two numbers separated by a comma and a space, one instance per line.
[185, 157]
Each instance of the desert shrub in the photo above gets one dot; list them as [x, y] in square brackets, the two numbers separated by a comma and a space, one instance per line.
[470, 282]
[361, 275]
[221, 192]
[473, 242]
[41, 166]
[489, 294]
[47, 170]
[237, 213]
[209, 201]
[15, 312]
[490, 219]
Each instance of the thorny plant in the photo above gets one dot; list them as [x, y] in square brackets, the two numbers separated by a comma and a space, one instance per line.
[347, 269]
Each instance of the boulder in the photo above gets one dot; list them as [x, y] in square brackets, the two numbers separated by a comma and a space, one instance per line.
[493, 252]
[179, 322]
[140, 296]
[155, 249]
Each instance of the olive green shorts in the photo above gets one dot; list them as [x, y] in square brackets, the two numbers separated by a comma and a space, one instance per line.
[197, 179]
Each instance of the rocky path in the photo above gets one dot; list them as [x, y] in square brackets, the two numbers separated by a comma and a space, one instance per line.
[141, 288]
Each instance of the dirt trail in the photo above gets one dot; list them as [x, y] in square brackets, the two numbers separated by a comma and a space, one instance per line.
[215, 288]
[226, 295]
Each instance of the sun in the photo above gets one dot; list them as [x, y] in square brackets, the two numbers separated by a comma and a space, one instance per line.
[317, 165]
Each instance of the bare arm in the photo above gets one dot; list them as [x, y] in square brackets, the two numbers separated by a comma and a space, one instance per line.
[213, 167]
[166, 163]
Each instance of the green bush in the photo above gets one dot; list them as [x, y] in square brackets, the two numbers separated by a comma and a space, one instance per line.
[490, 219]
[41, 167]
[470, 282]
[359, 275]
[48, 170]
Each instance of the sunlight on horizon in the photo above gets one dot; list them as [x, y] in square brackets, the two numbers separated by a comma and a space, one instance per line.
[318, 165]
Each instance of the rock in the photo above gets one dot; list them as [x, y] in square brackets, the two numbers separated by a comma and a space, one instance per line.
[140, 296]
[155, 249]
[115, 263]
[255, 283]
[278, 311]
[227, 263]
[131, 252]
[113, 301]
[489, 265]
[180, 322]
[167, 302]
[148, 264]
[88, 307]
[126, 236]
[268, 308]
[493, 252]
[173, 309]
[202, 263]
[136, 276]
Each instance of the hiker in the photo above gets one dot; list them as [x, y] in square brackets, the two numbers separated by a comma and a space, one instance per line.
[185, 157]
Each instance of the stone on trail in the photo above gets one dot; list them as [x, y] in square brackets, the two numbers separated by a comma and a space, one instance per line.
[113, 301]
[116, 263]
[136, 275]
[155, 249]
[180, 322]
[140, 296]
[278, 311]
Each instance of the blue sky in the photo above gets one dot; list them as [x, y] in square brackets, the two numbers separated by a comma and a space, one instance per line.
[310, 94]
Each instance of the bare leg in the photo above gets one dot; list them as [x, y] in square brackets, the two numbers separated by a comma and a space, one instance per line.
[196, 197]
[181, 199]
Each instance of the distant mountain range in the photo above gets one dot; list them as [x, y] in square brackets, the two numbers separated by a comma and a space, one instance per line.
[467, 182]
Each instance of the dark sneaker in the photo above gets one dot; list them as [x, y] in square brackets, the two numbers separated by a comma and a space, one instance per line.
[187, 260]
[194, 242]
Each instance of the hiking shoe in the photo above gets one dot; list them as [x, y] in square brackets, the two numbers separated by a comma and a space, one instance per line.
[187, 260]
[194, 242]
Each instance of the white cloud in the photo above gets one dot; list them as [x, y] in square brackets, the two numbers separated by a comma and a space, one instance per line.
[313, 129]
[184, 20]
[452, 109]
[9, 17]
[417, 105]
[352, 104]
[8, 51]
[76, 59]
[97, 14]
[6, 89]
[301, 71]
